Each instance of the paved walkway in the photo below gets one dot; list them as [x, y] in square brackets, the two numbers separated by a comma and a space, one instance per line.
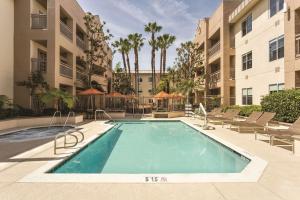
[281, 179]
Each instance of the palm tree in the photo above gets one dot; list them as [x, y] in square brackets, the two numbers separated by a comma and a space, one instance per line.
[137, 42]
[55, 96]
[164, 42]
[119, 46]
[160, 45]
[153, 28]
[127, 46]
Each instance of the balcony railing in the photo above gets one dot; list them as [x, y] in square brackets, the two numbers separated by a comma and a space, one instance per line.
[214, 78]
[232, 73]
[38, 21]
[66, 30]
[298, 45]
[82, 77]
[80, 43]
[66, 70]
[214, 49]
[38, 65]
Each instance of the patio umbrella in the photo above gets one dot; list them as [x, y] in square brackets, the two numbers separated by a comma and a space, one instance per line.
[90, 92]
[162, 96]
[114, 95]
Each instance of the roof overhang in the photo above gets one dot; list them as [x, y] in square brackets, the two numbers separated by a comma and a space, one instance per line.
[242, 10]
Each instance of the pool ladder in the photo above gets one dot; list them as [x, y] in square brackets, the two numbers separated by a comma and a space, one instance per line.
[103, 111]
[55, 115]
[68, 133]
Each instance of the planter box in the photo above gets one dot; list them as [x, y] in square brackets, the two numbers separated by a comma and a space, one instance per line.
[117, 115]
[36, 121]
[168, 114]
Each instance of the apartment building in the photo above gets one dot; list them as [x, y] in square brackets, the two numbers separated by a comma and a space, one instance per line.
[6, 48]
[50, 36]
[292, 39]
[258, 29]
[145, 82]
[214, 38]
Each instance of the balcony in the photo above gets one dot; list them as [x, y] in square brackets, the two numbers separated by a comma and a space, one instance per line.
[38, 21]
[66, 70]
[38, 65]
[80, 43]
[297, 42]
[66, 30]
[232, 73]
[214, 78]
[81, 77]
[214, 49]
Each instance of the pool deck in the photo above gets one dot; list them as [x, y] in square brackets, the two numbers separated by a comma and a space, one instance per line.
[280, 180]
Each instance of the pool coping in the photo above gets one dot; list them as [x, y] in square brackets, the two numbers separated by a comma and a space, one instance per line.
[251, 173]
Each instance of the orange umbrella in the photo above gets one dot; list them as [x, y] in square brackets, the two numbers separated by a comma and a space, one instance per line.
[115, 94]
[90, 91]
[162, 95]
[175, 95]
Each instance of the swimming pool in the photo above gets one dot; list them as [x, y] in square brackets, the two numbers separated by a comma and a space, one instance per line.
[153, 147]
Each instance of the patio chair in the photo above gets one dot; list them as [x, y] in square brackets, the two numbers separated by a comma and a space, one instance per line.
[227, 116]
[284, 136]
[215, 112]
[252, 127]
[251, 119]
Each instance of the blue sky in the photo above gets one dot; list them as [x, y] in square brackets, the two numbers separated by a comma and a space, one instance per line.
[178, 17]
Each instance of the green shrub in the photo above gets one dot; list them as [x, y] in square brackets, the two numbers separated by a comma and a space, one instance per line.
[285, 104]
[244, 110]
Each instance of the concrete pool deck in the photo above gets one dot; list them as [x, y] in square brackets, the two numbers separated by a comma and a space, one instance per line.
[280, 180]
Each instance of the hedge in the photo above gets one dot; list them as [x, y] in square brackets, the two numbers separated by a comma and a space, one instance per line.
[244, 110]
[286, 105]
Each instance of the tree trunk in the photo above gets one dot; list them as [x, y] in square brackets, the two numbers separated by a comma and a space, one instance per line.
[165, 61]
[161, 63]
[153, 63]
[136, 63]
[124, 62]
[128, 65]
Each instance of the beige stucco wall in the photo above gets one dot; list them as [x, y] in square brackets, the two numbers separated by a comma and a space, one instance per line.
[6, 47]
[292, 63]
[263, 72]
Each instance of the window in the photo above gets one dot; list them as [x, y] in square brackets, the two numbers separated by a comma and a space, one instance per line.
[150, 90]
[276, 87]
[276, 48]
[150, 79]
[276, 6]
[140, 80]
[247, 61]
[247, 96]
[247, 25]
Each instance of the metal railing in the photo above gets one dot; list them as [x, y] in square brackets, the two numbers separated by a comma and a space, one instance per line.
[39, 21]
[297, 42]
[66, 70]
[38, 65]
[66, 30]
[214, 49]
[81, 76]
[103, 112]
[80, 43]
[68, 133]
[232, 73]
[214, 78]
[57, 113]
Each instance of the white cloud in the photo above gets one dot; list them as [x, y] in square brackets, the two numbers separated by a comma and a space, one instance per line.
[132, 10]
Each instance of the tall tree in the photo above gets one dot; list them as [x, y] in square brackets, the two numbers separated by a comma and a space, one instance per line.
[153, 28]
[189, 59]
[119, 46]
[137, 42]
[164, 42]
[121, 82]
[127, 48]
[98, 39]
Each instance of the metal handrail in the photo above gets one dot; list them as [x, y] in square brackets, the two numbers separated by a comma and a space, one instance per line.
[103, 111]
[65, 134]
[53, 117]
[66, 121]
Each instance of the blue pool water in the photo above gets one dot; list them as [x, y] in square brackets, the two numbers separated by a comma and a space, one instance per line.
[148, 147]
